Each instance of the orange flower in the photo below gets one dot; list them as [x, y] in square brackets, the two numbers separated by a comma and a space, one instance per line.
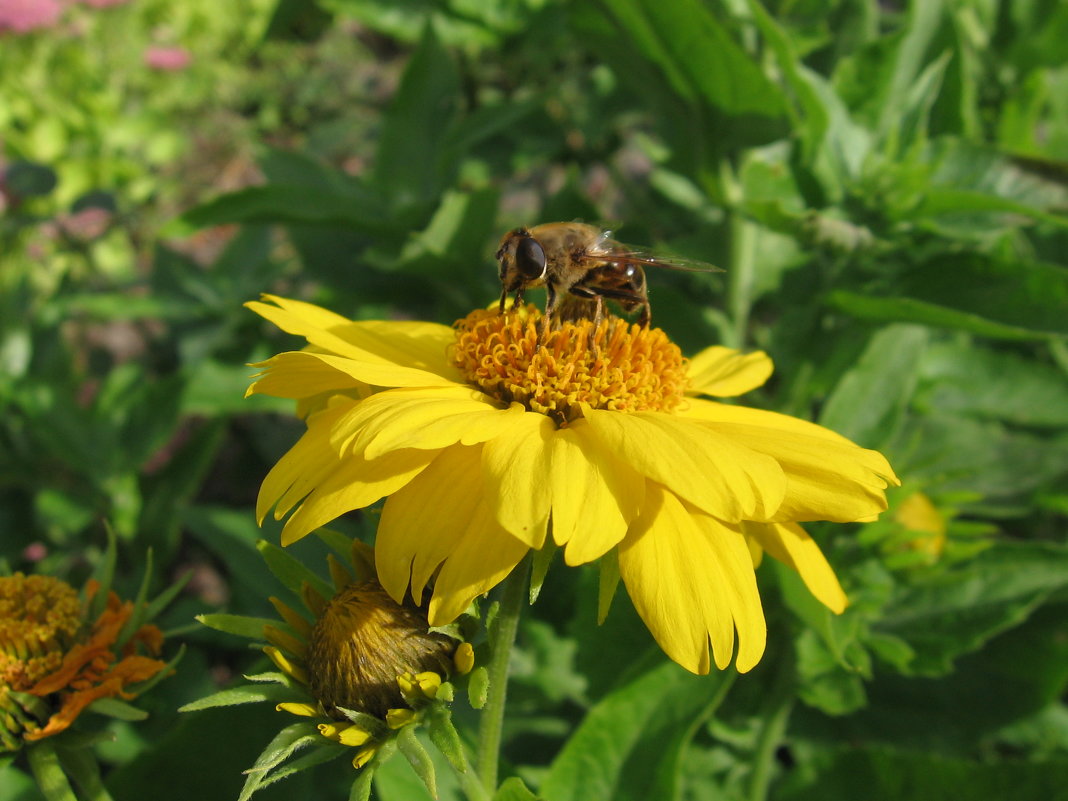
[50, 650]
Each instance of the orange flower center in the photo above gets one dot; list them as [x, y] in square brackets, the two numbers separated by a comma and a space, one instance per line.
[39, 619]
[616, 366]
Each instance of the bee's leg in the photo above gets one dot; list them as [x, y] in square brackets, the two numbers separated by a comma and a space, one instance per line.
[515, 302]
[598, 317]
[550, 310]
[646, 317]
[588, 294]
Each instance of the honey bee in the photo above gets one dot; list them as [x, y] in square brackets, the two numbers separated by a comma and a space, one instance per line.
[580, 266]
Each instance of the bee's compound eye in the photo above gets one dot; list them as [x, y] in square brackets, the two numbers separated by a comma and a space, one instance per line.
[530, 258]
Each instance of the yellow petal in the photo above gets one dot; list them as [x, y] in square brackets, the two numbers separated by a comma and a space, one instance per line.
[711, 411]
[286, 665]
[398, 718]
[404, 342]
[516, 467]
[668, 575]
[594, 496]
[312, 315]
[417, 356]
[412, 343]
[826, 479]
[352, 735]
[464, 659]
[305, 465]
[713, 472]
[725, 373]
[293, 708]
[442, 516]
[427, 418]
[691, 579]
[300, 374]
[423, 523]
[483, 559]
[354, 483]
[731, 554]
[791, 545]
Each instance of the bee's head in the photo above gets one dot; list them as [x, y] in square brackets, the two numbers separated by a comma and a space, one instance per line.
[522, 260]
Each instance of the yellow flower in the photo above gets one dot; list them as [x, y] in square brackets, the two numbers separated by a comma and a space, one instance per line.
[480, 435]
[50, 650]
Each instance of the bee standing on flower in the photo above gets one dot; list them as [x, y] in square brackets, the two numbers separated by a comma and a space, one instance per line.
[580, 265]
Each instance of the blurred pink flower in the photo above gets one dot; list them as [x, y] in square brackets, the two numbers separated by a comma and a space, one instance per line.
[85, 225]
[22, 16]
[170, 59]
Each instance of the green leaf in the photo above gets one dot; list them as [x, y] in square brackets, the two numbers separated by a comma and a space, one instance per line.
[322, 751]
[250, 628]
[960, 454]
[1023, 294]
[396, 781]
[26, 179]
[632, 728]
[286, 203]
[966, 379]
[824, 684]
[291, 572]
[911, 119]
[418, 758]
[868, 402]
[478, 687]
[287, 742]
[513, 789]
[893, 774]
[410, 168]
[51, 780]
[814, 117]
[247, 694]
[896, 309]
[953, 613]
[899, 91]
[444, 736]
[362, 785]
[80, 764]
[686, 63]
[117, 708]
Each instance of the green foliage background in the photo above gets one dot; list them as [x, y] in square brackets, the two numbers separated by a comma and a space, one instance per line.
[885, 186]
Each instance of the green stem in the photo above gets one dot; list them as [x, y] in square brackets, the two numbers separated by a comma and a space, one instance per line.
[726, 682]
[776, 714]
[48, 773]
[502, 637]
[469, 782]
[741, 271]
[83, 768]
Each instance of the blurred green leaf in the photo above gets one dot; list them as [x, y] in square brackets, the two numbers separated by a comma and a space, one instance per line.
[712, 95]
[954, 453]
[280, 203]
[1023, 294]
[979, 382]
[26, 179]
[892, 774]
[411, 168]
[955, 612]
[646, 718]
[513, 789]
[870, 399]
